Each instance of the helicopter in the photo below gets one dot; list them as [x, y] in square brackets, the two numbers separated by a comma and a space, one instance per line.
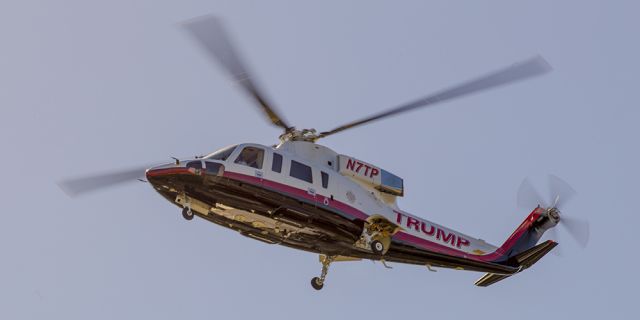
[305, 196]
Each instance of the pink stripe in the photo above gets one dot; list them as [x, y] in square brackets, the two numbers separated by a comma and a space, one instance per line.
[433, 246]
[420, 242]
[339, 206]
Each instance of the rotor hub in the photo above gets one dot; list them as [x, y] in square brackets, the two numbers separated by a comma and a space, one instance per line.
[553, 214]
[293, 134]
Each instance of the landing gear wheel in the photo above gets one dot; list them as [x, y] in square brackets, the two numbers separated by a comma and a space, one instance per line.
[377, 247]
[187, 213]
[316, 283]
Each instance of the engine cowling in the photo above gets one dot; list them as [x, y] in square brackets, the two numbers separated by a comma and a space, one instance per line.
[369, 174]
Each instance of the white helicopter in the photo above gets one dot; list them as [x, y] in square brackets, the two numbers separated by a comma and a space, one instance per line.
[306, 196]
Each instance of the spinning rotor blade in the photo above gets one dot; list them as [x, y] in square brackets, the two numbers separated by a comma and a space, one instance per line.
[561, 190]
[209, 32]
[553, 234]
[577, 228]
[528, 197]
[80, 186]
[526, 69]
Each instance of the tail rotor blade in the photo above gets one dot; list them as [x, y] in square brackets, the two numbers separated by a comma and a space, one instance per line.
[577, 228]
[560, 189]
[560, 192]
[553, 234]
[528, 197]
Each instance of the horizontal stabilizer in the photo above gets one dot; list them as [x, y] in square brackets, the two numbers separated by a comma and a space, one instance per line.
[525, 260]
[490, 278]
[528, 258]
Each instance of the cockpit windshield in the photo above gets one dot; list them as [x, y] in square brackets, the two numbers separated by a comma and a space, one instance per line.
[221, 154]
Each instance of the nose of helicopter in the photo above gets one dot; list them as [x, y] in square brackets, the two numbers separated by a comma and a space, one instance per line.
[170, 173]
[190, 171]
[165, 170]
[183, 177]
[174, 178]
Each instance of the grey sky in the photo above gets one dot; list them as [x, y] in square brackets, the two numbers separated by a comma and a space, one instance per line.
[88, 86]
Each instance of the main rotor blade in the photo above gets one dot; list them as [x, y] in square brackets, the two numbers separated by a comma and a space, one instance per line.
[211, 35]
[528, 196]
[526, 69]
[83, 185]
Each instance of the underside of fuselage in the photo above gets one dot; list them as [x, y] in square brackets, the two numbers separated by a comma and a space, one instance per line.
[275, 217]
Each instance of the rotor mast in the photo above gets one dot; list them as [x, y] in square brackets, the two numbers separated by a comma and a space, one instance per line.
[293, 134]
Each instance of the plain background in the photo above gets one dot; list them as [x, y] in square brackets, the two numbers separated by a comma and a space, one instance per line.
[92, 86]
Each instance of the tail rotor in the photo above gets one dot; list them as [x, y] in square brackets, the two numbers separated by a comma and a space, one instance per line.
[560, 192]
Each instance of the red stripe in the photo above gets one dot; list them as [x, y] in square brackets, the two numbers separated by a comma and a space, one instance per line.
[168, 171]
[500, 252]
[354, 212]
[517, 234]
[423, 243]
[337, 205]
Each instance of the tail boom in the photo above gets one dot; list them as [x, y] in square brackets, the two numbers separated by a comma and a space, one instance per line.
[526, 236]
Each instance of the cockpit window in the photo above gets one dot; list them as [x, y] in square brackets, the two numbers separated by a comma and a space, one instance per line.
[222, 154]
[251, 156]
[195, 164]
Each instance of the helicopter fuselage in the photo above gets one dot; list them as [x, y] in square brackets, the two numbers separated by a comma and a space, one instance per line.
[294, 195]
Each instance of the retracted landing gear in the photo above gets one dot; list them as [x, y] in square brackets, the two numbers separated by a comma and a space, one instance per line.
[318, 282]
[377, 247]
[376, 235]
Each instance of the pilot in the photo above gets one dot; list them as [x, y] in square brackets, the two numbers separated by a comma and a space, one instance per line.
[248, 157]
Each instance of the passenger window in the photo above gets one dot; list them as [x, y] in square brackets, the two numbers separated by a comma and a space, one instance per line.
[325, 179]
[276, 165]
[301, 171]
[251, 157]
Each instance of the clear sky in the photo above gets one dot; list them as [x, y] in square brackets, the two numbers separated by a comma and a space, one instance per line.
[89, 86]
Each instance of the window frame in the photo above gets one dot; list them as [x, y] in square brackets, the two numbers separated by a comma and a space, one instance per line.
[273, 162]
[227, 152]
[296, 165]
[261, 162]
[324, 177]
